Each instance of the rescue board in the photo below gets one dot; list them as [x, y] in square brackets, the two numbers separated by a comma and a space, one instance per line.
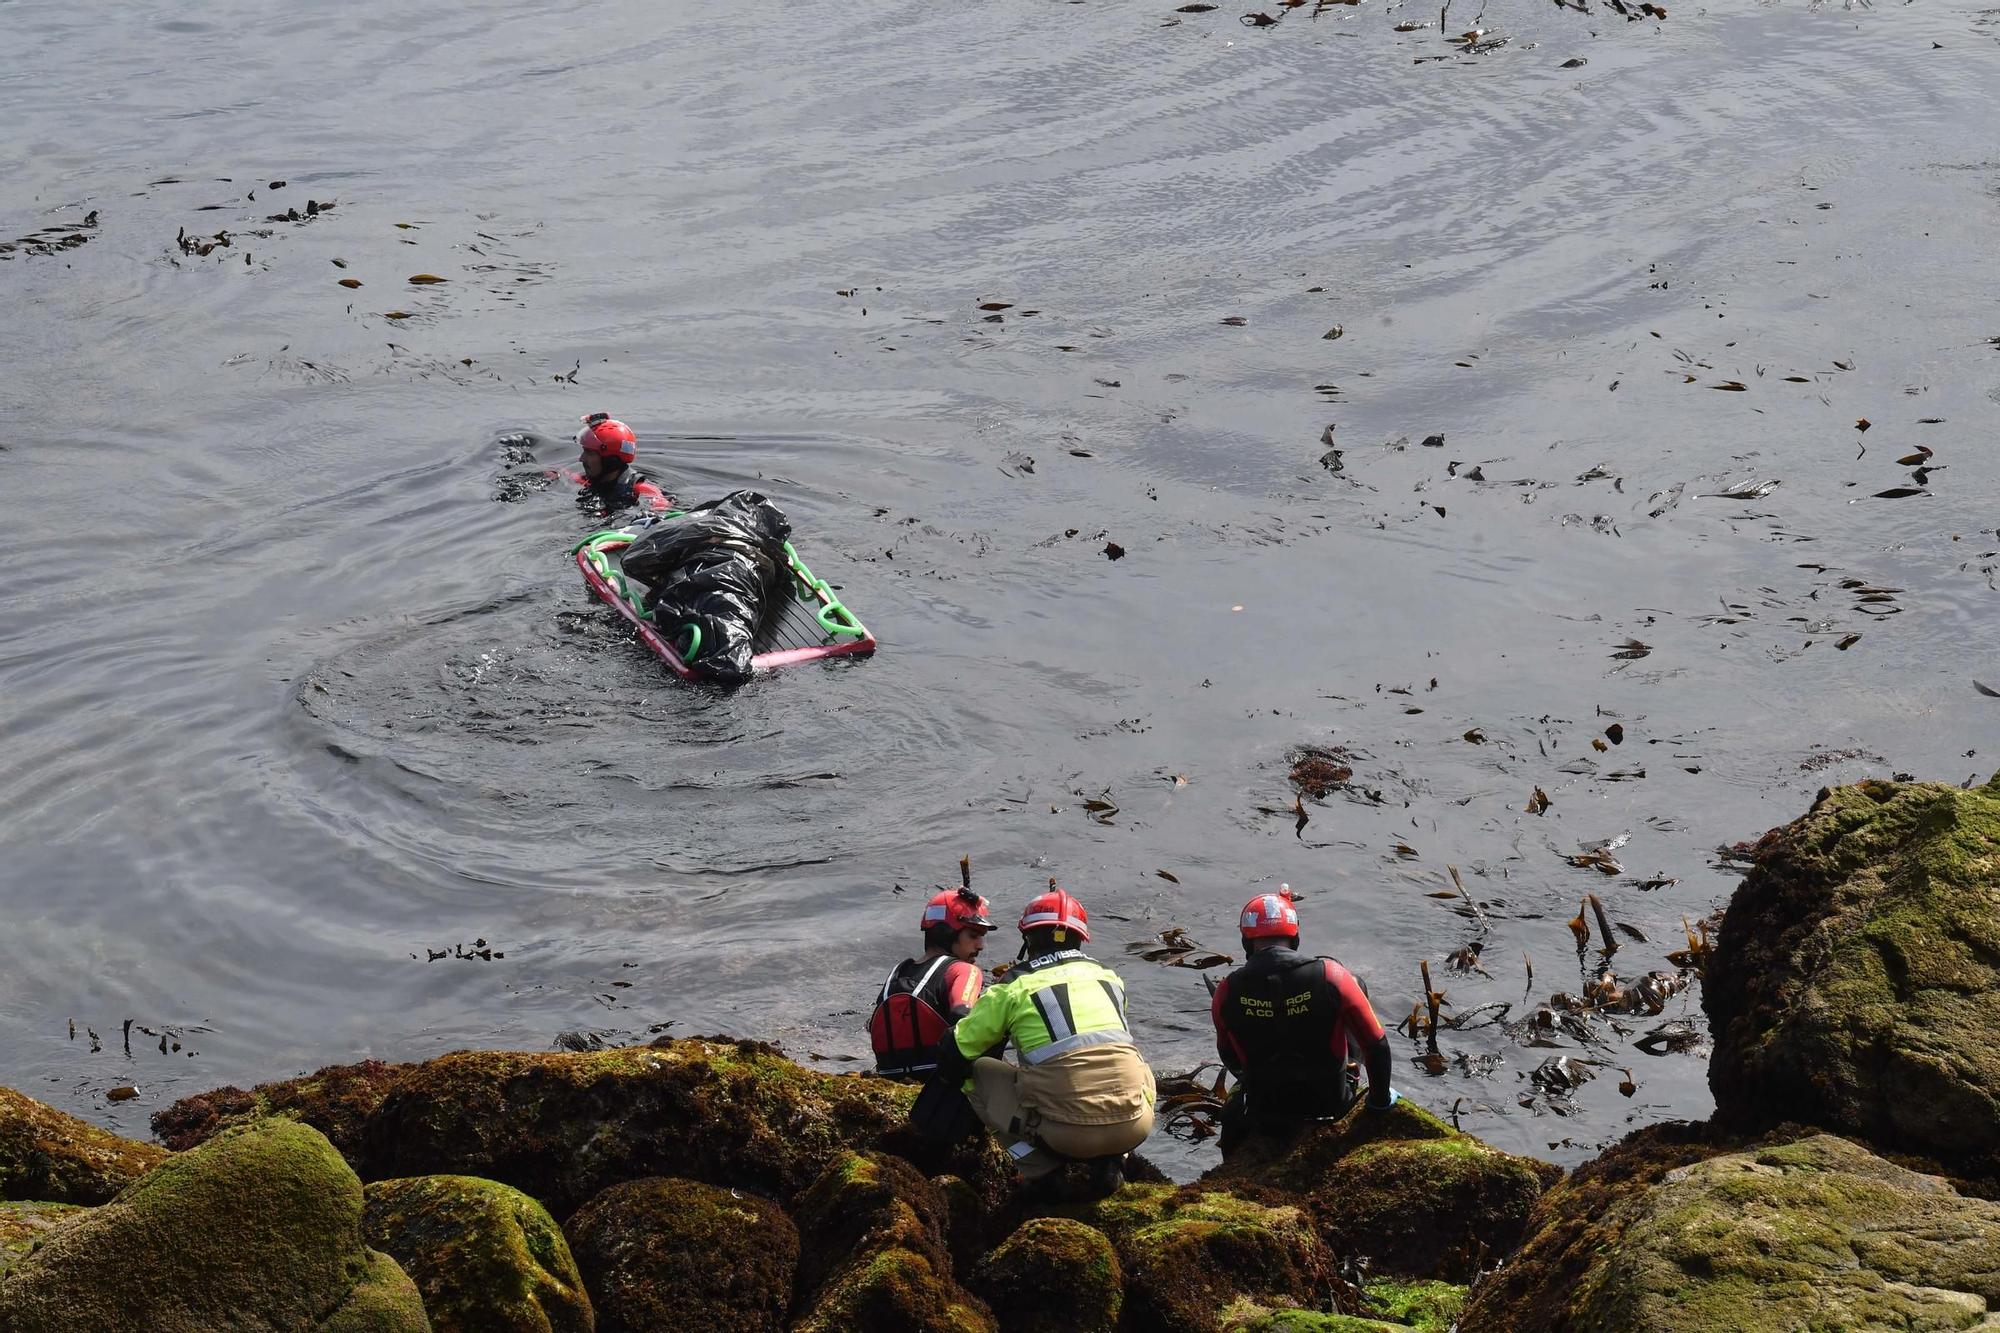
[807, 625]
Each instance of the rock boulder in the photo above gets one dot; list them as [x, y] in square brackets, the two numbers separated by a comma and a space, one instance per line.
[55, 1158]
[1807, 1232]
[661, 1255]
[485, 1257]
[1402, 1189]
[1053, 1275]
[874, 1259]
[1857, 982]
[562, 1127]
[259, 1229]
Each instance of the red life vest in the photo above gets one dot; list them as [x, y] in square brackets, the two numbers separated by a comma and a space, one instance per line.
[905, 1028]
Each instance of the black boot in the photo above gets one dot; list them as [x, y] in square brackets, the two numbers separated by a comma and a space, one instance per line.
[1106, 1175]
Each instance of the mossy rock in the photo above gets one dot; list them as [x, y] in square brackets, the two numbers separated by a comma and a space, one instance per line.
[258, 1229]
[1191, 1253]
[1053, 1275]
[1856, 985]
[1812, 1233]
[1429, 1307]
[382, 1300]
[873, 1255]
[1250, 1317]
[663, 1255]
[51, 1157]
[564, 1126]
[336, 1101]
[486, 1257]
[1580, 1218]
[24, 1224]
[1403, 1190]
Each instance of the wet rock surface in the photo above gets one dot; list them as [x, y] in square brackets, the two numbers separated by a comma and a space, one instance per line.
[1857, 985]
[56, 1158]
[486, 1258]
[666, 1254]
[258, 1229]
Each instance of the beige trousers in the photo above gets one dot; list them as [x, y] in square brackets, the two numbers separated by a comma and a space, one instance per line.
[996, 1097]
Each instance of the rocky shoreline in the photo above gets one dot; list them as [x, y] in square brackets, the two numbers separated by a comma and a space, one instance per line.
[1847, 1180]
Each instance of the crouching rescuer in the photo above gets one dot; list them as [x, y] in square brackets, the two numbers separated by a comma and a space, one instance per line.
[1285, 1025]
[1080, 1091]
[923, 997]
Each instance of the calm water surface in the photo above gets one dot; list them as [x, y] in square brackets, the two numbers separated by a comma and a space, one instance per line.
[288, 702]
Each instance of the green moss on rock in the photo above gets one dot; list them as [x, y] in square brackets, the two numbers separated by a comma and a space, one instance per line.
[1429, 1307]
[486, 1257]
[1249, 1317]
[51, 1157]
[24, 1224]
[336, 1101]
[1189, 1253]
[1857, 982]
[382, 1300]
[258, 1229]
[1053, 1275]
[564, 1126]
[1577, 1221]
[1813, 1233]
[1402, 1189]
[874, 1258]
[662, 1255]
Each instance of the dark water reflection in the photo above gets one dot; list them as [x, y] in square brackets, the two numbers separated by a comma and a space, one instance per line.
[350, 710]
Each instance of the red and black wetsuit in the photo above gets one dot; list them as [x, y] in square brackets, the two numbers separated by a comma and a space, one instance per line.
[1284, 1025]
[905, 1036]
[628, 489]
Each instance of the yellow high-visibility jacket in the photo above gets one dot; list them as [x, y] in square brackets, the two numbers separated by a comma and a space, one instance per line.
[1064, 1014]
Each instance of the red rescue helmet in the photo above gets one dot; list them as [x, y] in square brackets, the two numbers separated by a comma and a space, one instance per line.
[1056, 910]
[956, 910]
[1271, 916]
[607, 438]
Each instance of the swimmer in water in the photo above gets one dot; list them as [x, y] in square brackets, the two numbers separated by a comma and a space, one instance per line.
[606, 450]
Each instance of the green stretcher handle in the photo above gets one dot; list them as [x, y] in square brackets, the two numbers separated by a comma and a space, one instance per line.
[833, 617]
[693, 650]
[607, 535]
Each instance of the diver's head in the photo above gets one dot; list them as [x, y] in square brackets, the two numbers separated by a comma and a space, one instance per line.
[605, 446]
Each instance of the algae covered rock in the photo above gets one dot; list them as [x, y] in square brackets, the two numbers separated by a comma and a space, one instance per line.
[1249, 1317]
[1813, 1233]
[1428, 1307]
[259, 1229]
[23, 1225]
[382, 1300]
[336, 1101]
[874, 1259]
[1857, 982]
[662, 1255]
[485, 1257]
[564, 1126]
[51, 1157]
[1053, 1275]
[1402, 1189]
[1190, 1253]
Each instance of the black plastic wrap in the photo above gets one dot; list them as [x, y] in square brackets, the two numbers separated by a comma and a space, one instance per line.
[718, 566]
